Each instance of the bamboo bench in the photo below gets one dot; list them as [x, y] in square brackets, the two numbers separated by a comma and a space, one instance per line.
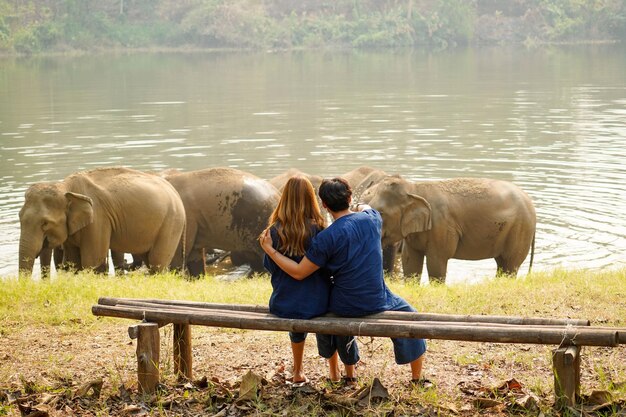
[569, 335]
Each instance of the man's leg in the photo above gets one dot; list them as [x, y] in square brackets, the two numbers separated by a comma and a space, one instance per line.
[348, 350]
[343, 347]
[333, 365]
[416, 368]
[411, 351]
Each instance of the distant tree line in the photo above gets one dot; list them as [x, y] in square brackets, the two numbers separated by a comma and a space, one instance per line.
[33, 26]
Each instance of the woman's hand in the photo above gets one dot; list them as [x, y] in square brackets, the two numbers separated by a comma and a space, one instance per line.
[265, 240]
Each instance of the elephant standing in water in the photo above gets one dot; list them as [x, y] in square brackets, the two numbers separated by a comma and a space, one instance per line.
[226, 209]
[91, 211]
[463, 218]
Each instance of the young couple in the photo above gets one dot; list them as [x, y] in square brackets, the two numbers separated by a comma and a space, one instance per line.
[315, 270]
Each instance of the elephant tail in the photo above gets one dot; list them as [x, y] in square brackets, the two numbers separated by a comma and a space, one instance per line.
[183, 267]
[532, 253]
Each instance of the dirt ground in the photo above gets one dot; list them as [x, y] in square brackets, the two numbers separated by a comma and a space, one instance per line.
[91, 371]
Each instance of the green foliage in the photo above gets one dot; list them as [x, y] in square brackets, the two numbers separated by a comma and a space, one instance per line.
[31, 26]
[25, 41]
[384, 29]
[5, 31]
[227, 23]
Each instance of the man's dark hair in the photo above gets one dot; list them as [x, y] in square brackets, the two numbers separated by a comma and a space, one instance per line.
[335, 193]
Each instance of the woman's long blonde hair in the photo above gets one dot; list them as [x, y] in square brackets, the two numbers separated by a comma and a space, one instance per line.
[294, 215]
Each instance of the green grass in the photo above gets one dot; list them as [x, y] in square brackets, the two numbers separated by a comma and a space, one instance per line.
[67, 298]
[596, 296]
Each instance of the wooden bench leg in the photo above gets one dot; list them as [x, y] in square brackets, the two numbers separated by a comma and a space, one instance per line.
[148, 352]
[566, 366]
[182, 351]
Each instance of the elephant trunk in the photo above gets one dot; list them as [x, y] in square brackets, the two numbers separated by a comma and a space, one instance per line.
[28, 251]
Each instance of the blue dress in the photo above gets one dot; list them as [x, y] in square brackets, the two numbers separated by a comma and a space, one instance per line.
[295, 299]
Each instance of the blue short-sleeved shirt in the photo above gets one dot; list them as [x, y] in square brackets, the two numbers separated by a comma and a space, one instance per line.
[297, 299]
[350, 249]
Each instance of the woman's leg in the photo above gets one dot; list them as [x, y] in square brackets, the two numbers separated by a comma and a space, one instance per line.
[298, 354]
[297, 349]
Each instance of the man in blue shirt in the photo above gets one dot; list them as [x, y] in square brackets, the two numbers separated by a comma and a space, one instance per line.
[350, 248]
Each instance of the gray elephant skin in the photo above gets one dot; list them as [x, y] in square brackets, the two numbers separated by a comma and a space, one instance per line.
[91, 211]
[226, 209]
[463, 218]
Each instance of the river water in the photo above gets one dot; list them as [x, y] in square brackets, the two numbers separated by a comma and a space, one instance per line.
[551, 120]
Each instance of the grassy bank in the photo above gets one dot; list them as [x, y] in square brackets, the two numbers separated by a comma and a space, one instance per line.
[597, 296]
[50, 344]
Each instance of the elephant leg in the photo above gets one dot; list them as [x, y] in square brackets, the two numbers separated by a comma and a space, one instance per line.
[196, 263]
[437, 268]
[412, 261]
[441, 248]
[164, 249]
[71, 258]
[118, 261]
[184, 248]
[138, 261]
[506, 266]
[57, 254]
[45, 259]
[94, 251]
[389, 257]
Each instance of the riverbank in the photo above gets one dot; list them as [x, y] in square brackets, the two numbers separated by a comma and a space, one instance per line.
[54, 353]
[32, 27]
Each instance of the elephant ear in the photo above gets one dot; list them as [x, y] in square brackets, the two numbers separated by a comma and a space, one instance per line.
[416, 216]
[79, 211]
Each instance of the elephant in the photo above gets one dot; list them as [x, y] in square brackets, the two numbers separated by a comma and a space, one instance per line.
[91, 211]
[462, 218]
[361, 179]
[226, 209]
[280, 180]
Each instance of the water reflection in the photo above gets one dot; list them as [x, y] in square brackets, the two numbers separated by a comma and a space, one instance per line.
[551, 121]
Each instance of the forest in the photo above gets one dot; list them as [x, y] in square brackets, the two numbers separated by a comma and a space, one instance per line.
[41, 26]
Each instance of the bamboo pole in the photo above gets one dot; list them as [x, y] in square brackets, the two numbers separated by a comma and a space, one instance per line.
[376, 318]
[568, 335]
[396, 315]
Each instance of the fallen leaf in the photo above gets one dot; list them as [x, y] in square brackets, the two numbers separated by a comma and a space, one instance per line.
[527, 403]
[510, 385]
[250, 386]
[94, 386]
[486, 403]
[598, 397]
[376, 391]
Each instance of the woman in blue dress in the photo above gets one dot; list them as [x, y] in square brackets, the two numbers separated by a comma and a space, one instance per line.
[295, 221]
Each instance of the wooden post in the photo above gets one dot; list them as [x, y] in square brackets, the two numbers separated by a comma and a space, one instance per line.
[566, 366]
[182, 351]
[148, 352]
